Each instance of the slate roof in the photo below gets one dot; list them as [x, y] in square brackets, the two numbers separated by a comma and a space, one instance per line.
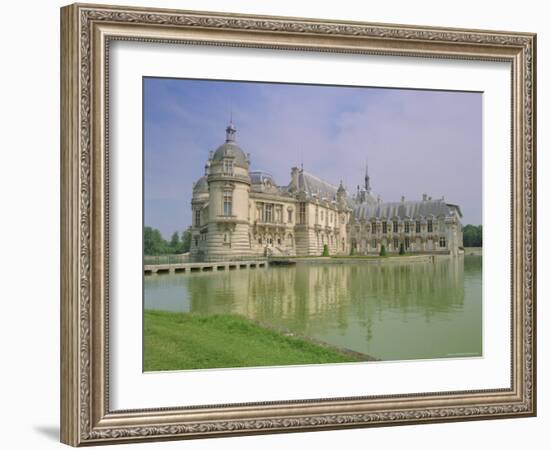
[405, 209]
[231, 149]
[260, 177]
[316, 187]
[201, 186]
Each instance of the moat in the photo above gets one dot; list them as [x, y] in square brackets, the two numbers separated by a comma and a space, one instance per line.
[389, 311]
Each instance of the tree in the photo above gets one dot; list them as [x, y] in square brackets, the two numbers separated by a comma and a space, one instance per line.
[472, 236]
[383, 250]
[401, 249]
[185, 241]
[325, 250]
[175, 242]
[153, 242]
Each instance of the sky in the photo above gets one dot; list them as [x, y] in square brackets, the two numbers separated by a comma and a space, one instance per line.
[414, 141]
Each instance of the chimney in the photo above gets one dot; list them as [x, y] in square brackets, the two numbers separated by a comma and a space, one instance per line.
[424, 197]
[294, 175]
[402, 198]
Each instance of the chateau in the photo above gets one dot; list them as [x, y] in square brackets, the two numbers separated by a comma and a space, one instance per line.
[238, 212]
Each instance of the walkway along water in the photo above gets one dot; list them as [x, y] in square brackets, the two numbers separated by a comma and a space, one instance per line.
[188, 267]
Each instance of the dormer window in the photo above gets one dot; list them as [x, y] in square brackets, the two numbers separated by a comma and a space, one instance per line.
[228, 166]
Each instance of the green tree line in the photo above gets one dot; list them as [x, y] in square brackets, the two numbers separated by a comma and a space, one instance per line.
[155, 244]
[472, 236]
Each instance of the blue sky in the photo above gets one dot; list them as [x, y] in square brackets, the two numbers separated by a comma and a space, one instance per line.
[415, 141]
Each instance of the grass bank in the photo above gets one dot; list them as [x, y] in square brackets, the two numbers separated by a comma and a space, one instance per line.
[178, 341]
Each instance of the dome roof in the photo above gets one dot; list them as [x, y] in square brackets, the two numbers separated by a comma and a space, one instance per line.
[232, 150]
[201, 186]
[262, 177]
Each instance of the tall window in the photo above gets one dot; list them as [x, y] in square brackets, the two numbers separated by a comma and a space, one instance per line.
[302, 214]
[384, 227]
[279, 214]
[227, 204]
[395, 226]
[268, 212]
[395, 244]
[197, 217]
[430, 226]
[407, 227]
[442, 242]
[228, 166]
[289, 216]
[417, 229]
[407, 243]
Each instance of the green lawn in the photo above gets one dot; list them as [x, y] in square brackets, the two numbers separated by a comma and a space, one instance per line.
[177, 341]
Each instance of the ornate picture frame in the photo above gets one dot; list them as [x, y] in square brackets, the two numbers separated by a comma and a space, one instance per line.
[87, 31]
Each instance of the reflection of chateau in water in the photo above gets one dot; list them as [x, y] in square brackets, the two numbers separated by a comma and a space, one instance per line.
[312, 290]
[391, 311]
[239, 212]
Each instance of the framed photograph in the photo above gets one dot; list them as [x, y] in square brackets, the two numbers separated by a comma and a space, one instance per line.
[276, 224]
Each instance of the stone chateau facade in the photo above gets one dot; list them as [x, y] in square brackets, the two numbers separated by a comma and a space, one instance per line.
[238, 212]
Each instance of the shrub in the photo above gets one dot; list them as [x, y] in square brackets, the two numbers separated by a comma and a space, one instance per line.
[383, 250]
[352, 252]
[401, 249]
[325, 250]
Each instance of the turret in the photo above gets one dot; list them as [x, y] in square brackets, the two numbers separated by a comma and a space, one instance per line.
[341, 195]
[229, 191]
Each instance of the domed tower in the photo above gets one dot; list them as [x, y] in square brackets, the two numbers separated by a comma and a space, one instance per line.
[199, 207]
[229, 190]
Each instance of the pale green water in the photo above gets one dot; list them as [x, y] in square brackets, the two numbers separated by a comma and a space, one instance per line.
[389, 311]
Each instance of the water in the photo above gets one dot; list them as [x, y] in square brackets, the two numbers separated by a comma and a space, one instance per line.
[389, 311]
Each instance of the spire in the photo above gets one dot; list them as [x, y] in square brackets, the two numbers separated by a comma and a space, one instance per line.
[230, 130]
[367, 178]
[341, 188]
